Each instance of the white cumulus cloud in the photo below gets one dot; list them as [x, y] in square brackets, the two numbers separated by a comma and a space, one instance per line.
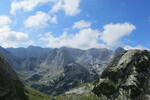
[26, 5]
[114, 32]
[10, 38]
[40, 20]
[84, 39]
[70, 7]
[140, 47]
[4, 20]
[81, 24]
[89, 38]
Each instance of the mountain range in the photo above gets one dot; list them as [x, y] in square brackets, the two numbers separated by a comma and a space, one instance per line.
[42, 68]
[97, 74]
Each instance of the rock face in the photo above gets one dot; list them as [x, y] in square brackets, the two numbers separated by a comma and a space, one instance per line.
[127, 77]
[56, 72]
[94, 55]
[93, 59]
[50, 66]
[74, 75]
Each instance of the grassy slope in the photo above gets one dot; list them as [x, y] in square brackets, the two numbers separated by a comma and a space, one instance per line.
[36, 95]
[74, 94]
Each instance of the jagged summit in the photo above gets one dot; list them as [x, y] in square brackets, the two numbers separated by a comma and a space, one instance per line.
[119, 51]
[29, 52]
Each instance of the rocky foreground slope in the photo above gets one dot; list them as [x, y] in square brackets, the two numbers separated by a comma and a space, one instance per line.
[127, 77]
[12, 89]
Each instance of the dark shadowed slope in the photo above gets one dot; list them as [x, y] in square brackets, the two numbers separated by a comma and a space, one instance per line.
[12, 89]
[13, 60]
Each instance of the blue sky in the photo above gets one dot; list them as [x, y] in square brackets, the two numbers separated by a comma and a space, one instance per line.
[80, 24]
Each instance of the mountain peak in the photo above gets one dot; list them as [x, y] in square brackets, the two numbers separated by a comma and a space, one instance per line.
[31, 46]
[119, 51]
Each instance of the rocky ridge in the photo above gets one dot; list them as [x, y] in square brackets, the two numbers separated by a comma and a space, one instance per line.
[127, 77]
